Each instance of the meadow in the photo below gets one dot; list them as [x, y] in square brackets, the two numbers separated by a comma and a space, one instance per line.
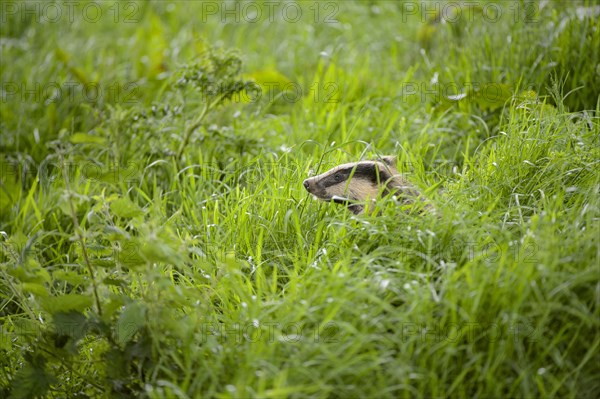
[157, 242]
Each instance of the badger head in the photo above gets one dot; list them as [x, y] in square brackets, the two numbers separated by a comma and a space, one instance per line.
[353, 184]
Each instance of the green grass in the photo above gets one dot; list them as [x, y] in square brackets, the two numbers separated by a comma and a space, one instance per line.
[131, 268]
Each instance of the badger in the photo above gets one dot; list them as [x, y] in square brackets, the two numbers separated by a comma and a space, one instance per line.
[355, 184]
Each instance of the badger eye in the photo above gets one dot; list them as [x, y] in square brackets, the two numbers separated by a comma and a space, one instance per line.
[337, 177]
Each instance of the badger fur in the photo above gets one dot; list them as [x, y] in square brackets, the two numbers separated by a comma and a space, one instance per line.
[354, 184]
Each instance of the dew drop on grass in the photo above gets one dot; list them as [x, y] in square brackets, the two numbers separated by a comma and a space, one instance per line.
[457, 97]
[383, 284]
[230, 388]
[434, 79]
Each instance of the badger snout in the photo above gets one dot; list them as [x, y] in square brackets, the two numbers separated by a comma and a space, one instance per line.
[313, 187]
[306, 184]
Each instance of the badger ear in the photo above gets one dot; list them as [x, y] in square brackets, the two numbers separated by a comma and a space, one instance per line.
[387, 167]
[390, 160]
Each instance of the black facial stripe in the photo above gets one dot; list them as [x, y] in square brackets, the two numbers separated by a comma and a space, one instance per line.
[368, 171]
[331, 179]
[371, 172]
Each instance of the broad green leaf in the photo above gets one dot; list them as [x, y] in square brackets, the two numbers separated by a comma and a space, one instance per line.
[270, 79]
[35, 288]
[66, 303]
[491, 95]
[129, 255]
[30, 272]
[99, 250]
[123, 207]
[110, 307]
[114, 233]
[131, 320]
[70, 277]
[159, 251]
[77, 200]
[72, 324]
[117, 282]
[31, 381]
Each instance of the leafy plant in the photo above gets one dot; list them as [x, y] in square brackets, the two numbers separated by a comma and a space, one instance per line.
[216, 77]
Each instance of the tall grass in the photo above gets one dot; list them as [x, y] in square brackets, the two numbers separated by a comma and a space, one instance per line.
[137, 260]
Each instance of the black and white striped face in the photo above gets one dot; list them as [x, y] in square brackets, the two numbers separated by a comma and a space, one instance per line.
[352, 182]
